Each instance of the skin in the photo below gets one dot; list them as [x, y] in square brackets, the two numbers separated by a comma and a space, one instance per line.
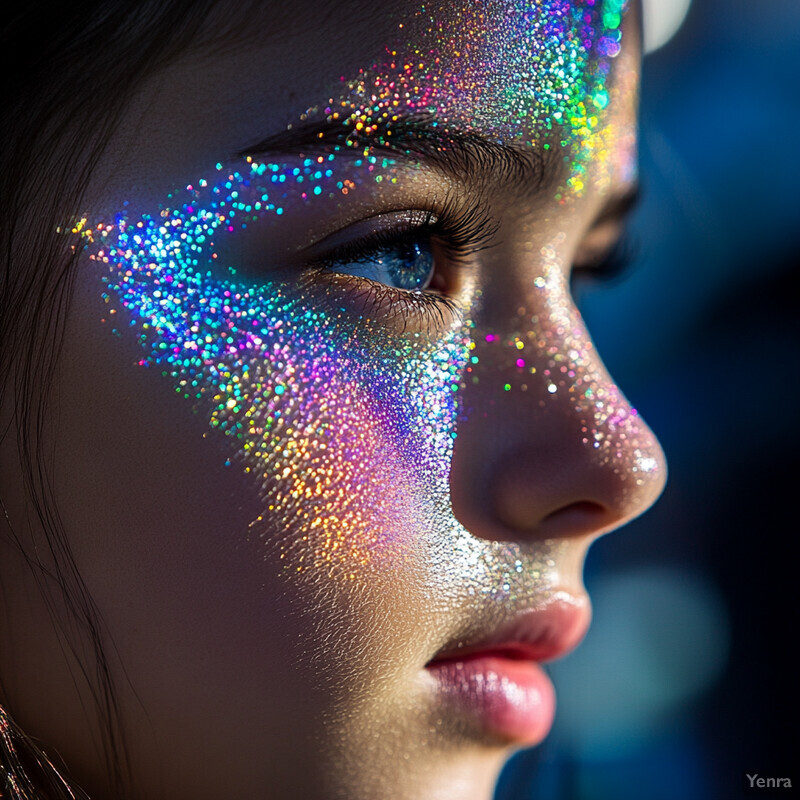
[247, 664]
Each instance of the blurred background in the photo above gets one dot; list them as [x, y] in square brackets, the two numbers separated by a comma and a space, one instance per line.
[688, 678]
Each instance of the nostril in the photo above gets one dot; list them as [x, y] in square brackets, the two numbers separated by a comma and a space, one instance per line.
[576, 519]
[581, 508]
[538, 511]
[549, 485]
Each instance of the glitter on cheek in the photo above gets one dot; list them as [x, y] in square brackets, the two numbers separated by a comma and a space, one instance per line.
[343, 426]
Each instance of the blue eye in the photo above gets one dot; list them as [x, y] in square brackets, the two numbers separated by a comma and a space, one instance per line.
[403, 265]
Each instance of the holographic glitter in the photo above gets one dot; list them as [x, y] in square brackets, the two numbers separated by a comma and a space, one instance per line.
[534, 72]
[552, 358]
[346, 425]
[320, 407]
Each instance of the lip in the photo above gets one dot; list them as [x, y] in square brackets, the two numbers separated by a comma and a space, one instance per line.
[495, 682]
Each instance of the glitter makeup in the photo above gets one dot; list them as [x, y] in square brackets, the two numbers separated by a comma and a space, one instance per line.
[346, 424]
[537, 73]
[323, 403]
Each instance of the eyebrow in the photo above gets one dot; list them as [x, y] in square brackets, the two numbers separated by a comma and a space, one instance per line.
[455, 152]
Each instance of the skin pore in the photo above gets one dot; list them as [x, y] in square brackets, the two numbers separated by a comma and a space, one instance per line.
[289, 488]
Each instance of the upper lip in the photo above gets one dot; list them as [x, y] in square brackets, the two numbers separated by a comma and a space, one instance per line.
[542, 633]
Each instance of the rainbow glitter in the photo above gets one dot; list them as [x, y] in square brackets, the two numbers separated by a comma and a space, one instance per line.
[533, 72]
[344, 423]
[318, 399]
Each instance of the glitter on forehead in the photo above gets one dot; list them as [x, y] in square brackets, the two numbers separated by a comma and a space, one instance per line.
[535, 72]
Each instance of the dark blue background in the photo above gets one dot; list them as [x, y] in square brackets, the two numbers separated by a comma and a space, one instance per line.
[687, 680]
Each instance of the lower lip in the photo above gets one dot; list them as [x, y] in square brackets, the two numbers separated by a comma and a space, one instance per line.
[510, 699]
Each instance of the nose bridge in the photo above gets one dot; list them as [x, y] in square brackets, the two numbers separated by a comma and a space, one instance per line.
[547, 444]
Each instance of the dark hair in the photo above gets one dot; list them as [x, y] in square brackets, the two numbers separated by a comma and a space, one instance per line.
[64, 66]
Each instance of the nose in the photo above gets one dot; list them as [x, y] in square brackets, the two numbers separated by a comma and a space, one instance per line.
[547, 446]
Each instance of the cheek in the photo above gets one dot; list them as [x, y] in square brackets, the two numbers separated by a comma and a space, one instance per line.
[341, 425]
[337, 441]
[341, 428]
[310, 439]
[347, 434]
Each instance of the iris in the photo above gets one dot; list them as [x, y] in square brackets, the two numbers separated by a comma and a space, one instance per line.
[406, 265]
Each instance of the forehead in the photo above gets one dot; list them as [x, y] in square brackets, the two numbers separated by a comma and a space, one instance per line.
[504, 68]
[517, 70]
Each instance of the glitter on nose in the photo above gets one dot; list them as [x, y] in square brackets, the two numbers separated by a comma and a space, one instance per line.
[646, 463]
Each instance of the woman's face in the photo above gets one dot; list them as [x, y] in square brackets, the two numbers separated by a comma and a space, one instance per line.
[329, 437]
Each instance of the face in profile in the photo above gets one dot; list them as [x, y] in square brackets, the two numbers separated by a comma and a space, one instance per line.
[329, 437]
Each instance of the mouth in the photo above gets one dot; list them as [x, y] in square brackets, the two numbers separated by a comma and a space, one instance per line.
[496, 682]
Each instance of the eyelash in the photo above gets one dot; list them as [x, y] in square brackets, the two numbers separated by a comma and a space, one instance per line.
[458, 233]
[461, 234]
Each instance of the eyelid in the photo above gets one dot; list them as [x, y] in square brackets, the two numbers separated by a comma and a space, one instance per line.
[605, 249]
[461, 230]
[454, 232]
[600, 238]
[381, 226]
[620, 207]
